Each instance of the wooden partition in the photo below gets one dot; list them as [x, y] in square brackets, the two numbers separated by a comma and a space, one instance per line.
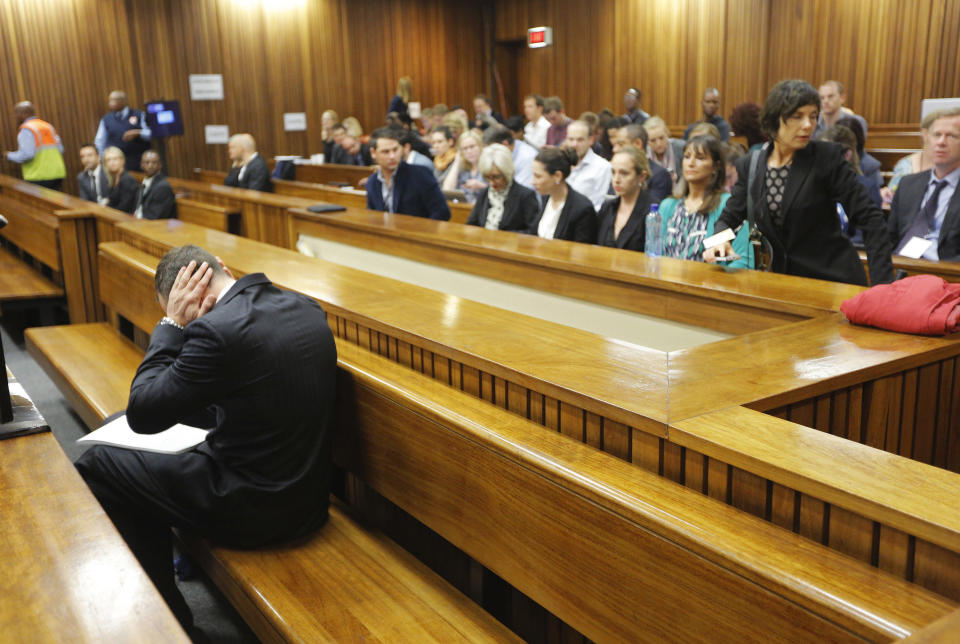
[664, 412]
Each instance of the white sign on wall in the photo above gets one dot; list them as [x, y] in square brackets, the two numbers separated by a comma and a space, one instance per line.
[206, 87]
[413, 108]
[294, 121]
[217, 133]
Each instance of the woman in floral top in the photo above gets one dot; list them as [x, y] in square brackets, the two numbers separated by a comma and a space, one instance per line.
[689, 217]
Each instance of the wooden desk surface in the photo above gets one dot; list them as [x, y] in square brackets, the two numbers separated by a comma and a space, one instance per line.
[65, 572]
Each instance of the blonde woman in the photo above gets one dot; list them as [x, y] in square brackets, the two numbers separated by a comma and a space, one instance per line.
[662, 149]
[327, 120]
[465, 175]
[123, 187]
[400, 100]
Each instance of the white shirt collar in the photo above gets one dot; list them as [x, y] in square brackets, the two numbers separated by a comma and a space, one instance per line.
[952, 179]
[225, 289]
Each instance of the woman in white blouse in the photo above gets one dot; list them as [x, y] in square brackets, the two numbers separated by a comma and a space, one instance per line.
[504, 204]
[566, 214]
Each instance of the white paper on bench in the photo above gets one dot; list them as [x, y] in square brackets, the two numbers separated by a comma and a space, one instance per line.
[175, 440]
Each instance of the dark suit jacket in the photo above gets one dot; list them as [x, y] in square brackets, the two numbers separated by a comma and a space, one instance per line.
[123, 195]
[520, 209]
[86, 189]
[158, 202]
[812, 243]
[906, 207]
[660, 185]
[634, 234]
[259, 369]
[339, 155]
[256, 177]
[415, 192]
[578, 219]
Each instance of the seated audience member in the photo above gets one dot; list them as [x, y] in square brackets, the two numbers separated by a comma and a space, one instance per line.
[404, 93]
[466, 176]
[456, 124]
[611, 131]
[663, 150]
[504, 204]
[844, 136]
[869, 165]
[631, 102]
[659, 185]
[408, 140]
[398, 121]
[832, 98]
[123, 187]
[155, 198]
[444, 152]
[535, 131]
[912, 163]
[691, 214]
[565, 214]
[710, 104]
[623, 219]
[732, 152]
[593, 122]
[254, 364]
[399, 187]
[92, 183]
[351, 151]
[523, 153]
[327, 120]
[591, 176]
[353, 126]
[926, 205]
[603, 145]
[704, 129]
[553, 111]
[248, 169]
[485, 115]
[802, 226]
[745, 121]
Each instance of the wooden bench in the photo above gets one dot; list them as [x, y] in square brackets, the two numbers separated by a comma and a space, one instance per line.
[39, 283]
[459, 212]
[209, 215]
[384, 382]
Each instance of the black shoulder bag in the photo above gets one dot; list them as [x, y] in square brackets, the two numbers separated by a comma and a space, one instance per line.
[762, 249]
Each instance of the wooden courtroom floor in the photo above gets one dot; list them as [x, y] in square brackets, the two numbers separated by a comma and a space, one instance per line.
[213, 614]
[644, 330]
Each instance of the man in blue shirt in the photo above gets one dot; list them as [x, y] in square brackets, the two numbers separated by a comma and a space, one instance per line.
[125, 128]
[39, 149]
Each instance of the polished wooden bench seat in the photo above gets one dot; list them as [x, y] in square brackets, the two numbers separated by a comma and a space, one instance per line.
[679, 562]
[33, 234]
[209, 215]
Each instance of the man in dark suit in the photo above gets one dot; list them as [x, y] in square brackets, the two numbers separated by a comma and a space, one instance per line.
[399, 187]
[350, 151]
[256, 365]
[249, 170]
[155, 199]
[92, 183]
[485, 114]
[926, 205]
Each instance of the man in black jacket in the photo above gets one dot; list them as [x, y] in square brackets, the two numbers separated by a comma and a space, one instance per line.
[256, 365]
[92, 182]
[249, 170]
[350, 151]
[926, 205]
[155, 199]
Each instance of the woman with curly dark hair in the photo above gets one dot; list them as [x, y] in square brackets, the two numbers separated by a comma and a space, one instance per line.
[745, 121]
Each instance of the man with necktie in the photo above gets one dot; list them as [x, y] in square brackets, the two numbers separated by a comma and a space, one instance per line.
[92, 184]
[925, 215]
[155, 199]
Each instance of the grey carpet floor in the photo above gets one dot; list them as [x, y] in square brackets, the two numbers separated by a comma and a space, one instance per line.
[212, 613]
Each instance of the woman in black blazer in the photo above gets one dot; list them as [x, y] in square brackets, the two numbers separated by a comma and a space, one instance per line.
[796, 187]
[623, 221]
[123, 187]
[566, 214]
[505, 204]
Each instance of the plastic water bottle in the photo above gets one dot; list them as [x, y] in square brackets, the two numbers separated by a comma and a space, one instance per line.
[654, 236]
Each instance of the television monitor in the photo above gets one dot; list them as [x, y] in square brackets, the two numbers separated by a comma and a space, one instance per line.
[163, 118]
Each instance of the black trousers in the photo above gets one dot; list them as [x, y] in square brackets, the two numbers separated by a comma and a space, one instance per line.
[54, 184]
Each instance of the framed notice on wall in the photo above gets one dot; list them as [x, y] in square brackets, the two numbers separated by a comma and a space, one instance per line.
[294, 121]
[216, 134]
[206, 87]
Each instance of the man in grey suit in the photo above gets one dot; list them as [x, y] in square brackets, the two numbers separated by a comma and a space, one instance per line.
[924, 217]
[254, 364]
